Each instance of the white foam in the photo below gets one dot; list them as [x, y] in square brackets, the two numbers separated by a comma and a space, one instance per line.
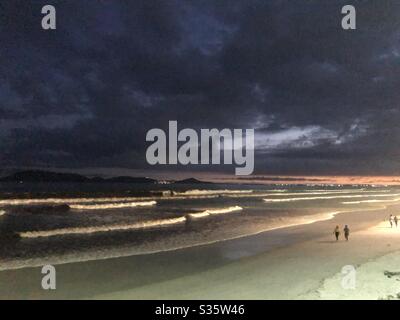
[371, 201]
[330, 197]
[2, 212]
[69, 200]
[106, 228]
[197, 192]
[121, 227]
[171, 195]
[112, 205]
[302, 193]
[210, 212]
[18, 202]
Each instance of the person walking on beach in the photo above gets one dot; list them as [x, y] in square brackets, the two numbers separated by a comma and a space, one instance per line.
[346, 231]
[336, 232]
[396, 220]
[391, 220]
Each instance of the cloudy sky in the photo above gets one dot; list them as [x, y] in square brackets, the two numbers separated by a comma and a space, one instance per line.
[322, 100]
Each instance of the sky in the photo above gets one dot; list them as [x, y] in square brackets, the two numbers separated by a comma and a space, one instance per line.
[322, 100]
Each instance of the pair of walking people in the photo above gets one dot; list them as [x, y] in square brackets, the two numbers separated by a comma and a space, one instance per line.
[346, 232]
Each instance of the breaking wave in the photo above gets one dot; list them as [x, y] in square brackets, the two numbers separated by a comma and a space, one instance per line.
[173, 195]
[330, 197]
[197, 192]
[130, 226]
[211, 212]
[371, 201]
[107, 228]
[12, 202]
[112, 205]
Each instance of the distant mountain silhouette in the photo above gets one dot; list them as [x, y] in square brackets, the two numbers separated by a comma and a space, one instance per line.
[47, 176]
[131, 180]
[192, 181]
[44, 176]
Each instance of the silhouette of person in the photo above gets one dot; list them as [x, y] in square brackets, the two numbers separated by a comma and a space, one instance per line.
[336, 232]
[346, 231]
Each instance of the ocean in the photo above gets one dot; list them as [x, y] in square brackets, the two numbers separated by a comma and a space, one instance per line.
[60, 223]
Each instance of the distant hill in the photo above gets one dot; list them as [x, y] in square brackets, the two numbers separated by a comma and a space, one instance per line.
[192, 181]
[48, 176]
[44, 176]
[131, 180]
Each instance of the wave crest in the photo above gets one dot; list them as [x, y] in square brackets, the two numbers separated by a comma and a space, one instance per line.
[197, 192]
[210, 212]
[112, 205]
[106, 228]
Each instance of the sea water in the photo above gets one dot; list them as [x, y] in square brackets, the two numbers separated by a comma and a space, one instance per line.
[58, 223]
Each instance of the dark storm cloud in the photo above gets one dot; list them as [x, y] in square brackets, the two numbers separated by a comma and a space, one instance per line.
[322, 100]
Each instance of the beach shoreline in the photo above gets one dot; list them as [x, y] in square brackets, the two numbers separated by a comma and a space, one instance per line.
[298, 262]
[168, 243]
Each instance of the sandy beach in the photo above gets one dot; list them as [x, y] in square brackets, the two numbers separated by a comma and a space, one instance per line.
[301, 262]
[199, 150]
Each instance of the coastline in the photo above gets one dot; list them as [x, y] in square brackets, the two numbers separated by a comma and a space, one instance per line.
[298, 262]
[170, 243]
